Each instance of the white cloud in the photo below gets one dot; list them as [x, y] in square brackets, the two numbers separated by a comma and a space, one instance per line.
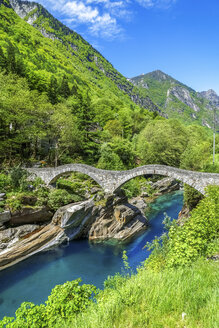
[102, 18]
[114, 8]
[80, 12]
[105, 26]
[98, 15]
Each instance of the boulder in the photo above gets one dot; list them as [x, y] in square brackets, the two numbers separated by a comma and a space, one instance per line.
[30, 215]
[76, 219]
[184, 215]
[29, 200]
[5, 217]
[139, 203]
[39, 240]
[119, 220]
[2, 196]
[9, 237]
[165, 185]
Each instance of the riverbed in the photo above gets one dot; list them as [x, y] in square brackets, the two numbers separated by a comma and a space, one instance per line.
[33, 279]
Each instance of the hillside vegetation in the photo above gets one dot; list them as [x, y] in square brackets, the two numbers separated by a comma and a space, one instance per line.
[57, 74]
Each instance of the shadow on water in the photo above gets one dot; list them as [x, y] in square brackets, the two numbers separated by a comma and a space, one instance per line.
[32, 279]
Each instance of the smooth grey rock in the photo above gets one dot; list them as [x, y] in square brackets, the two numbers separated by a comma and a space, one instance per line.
[139, 203]
[10, 236]
[119, 220]
[94, 190]
[30, 215]
[29, 244]
[5, 216]
[23, 8]
[76, 219]
[144, 194]
[166, 185]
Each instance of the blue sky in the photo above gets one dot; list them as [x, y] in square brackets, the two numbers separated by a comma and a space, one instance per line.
[179, 37]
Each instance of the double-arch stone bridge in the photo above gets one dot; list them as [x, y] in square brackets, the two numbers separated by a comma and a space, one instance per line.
[110, 181]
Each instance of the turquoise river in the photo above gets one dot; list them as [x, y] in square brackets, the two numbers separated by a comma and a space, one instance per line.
[32, 280]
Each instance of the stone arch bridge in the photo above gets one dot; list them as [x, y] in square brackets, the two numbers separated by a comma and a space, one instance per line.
[110, 181]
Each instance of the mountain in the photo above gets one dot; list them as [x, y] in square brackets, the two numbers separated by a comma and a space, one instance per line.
[60, 99]
[65, 52]
[212, 96]
[178, 100]
[58, 50]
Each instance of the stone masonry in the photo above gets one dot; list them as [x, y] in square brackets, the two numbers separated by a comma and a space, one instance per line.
[110, 181]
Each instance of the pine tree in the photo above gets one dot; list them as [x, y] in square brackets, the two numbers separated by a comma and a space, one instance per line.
[2, 59]
[74, 90]
[20, 67]
[11, 60]
[53, 90]
[64, 90]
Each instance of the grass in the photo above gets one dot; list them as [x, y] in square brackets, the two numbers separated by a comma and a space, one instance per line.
[157, 300]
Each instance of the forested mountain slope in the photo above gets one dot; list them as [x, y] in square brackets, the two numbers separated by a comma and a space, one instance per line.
[57, 92]
[178, 100]
[68, 53]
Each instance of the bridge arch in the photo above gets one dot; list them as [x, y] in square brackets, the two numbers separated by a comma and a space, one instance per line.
[111, 181]
[162, 171]
[51, 175]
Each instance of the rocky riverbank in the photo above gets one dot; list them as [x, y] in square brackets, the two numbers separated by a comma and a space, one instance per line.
[112, 217]
[118, 219]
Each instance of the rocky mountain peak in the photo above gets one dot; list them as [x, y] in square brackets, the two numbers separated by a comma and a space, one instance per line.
[183, 95]
[159, 76]
[23, 8]
[211, 95]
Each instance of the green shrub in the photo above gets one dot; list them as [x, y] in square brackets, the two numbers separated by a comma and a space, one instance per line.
[68, 299]
[59, 197]
[132, 188]
[18, 178]
[13, 201]
[196, 238]
[4, 182]
[42, 193]
[16, 200]
[73, 187]
[191, 197]
[38, 183]
[65, 301]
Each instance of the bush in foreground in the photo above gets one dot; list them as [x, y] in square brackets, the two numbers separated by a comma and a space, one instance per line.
[64, 302]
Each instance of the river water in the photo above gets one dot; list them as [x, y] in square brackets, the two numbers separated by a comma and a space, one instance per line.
[33, 279]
